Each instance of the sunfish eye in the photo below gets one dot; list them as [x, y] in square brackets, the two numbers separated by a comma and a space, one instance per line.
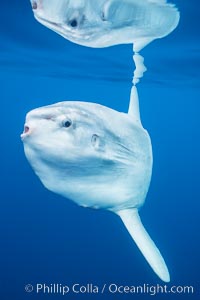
[73, 23]
[67, 123]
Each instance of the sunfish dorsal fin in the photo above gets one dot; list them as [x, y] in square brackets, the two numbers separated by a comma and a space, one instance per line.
[132, 221]
[134, 109]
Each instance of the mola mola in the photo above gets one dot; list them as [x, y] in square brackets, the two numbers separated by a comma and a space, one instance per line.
[97, 157]
[105, 23]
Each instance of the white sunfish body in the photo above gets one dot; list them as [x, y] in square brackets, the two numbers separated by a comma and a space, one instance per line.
[106, 23]
[98, 158]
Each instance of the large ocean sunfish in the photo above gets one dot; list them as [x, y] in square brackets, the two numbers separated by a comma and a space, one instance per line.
[104, 23]
[97, 157]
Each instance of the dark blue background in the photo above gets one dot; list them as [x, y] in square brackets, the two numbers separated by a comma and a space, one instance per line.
[46, 238]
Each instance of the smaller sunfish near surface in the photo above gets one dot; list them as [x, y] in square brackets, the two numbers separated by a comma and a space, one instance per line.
[104, 23]
[97, 157]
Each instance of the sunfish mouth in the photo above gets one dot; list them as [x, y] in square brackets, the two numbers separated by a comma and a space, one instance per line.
[34, 5]
[25, 132]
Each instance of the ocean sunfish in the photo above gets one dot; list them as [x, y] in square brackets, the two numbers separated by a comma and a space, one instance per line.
[97, 157]
[106, 23]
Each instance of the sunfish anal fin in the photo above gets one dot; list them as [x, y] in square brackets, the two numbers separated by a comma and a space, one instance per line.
[132, 221]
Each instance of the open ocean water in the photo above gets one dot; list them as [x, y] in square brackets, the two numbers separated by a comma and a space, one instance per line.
[46, 239]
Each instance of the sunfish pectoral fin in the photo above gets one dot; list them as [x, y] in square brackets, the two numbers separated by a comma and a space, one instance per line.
[134, 109]
[132, 221]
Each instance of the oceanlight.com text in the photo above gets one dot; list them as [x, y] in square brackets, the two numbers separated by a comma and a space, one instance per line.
[112, 288]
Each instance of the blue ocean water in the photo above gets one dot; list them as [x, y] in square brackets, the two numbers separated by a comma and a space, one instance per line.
[47, 239]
